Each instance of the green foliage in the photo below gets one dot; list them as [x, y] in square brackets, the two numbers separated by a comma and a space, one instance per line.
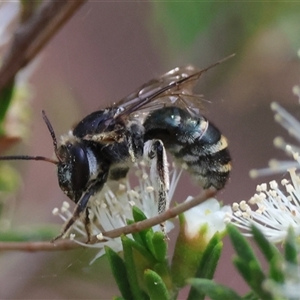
[155, 286]
[6, 96]
[264, 285]
[144, 271]
[228, 25]
[41, 233]
[207, 266]
[247, 263]
[213, 290]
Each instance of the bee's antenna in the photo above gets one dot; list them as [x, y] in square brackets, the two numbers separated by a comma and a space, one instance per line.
[42, 158]
[26, 157]
[50, 128]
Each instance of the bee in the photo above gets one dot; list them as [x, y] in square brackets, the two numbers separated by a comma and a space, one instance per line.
[162, 115]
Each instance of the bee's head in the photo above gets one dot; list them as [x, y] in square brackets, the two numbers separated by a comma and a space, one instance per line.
[72, 162]
[73, 169]
[73, 165]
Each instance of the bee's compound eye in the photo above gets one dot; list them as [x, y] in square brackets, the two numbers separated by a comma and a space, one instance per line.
[73, 170]
[79, 167]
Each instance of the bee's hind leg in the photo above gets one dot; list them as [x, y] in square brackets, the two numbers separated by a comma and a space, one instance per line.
[159, 173]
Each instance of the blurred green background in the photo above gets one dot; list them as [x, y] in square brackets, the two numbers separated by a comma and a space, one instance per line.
[105, 52]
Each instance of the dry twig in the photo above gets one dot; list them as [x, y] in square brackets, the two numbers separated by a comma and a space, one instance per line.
[34, 33]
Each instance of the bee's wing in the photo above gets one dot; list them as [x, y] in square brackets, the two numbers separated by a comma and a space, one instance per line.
[170, 89]
[173, 88]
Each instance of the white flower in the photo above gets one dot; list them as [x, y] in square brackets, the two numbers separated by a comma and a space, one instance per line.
[110, 209]
[292, 125]
[209, 214]
[276, 210]
[290, 288]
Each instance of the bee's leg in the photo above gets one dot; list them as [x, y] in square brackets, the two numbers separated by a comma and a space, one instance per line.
[160, 173]
[87, 225]
[79, 208]
[82, 206]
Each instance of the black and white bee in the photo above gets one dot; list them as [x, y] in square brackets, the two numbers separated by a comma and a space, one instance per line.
[161, 115]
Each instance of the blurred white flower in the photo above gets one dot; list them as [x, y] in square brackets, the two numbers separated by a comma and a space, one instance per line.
[275, 211]
[110, 209]
[292, 125]
[290, 288]
[9, 11]
[209, 214]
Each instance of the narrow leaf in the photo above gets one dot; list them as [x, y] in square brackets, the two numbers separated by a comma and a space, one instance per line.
[276, 272]
[119, 272]
[131, 269]
[142, 250]
[139, 216]
[271, 254]
[5, 98]
[251, 296]
[268, 249]
[155, 286]
[207, 266]
[159, 246]
[241, 245]
[213, 290]
[290, 249]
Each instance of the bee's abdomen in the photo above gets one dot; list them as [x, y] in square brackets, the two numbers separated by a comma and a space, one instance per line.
[197, 145]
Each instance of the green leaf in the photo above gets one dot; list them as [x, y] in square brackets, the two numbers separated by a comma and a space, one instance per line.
[251, 296]
[131, 269]
[155, 286]
[142, 250]
[267, 248]
[210, 258]
[136, 235]
[243, 268]
[141, 236]
[241, 245]
[119, 272]
[253, 276]
[208, 265]
[290, 247]
[276, 272]
[213, 290]
[6, 96]
[271, 254]
[157, 245]
[247, 263]
[138, 215]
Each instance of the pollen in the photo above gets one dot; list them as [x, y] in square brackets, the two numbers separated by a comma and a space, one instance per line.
[65, 207]
[133, 194]
[99, 236]
[55, 211]
[149, 189]
[122, 187]
[273, 185]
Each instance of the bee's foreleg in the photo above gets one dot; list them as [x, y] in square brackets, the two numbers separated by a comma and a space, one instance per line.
[81, 207]
[160, 174]
[87, 225]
